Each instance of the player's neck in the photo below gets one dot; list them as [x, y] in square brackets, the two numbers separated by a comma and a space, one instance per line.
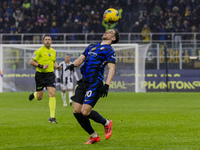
[106, 42]
[47, 47]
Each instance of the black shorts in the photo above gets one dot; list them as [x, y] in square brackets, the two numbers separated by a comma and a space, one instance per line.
[44, 80]
[87, 92]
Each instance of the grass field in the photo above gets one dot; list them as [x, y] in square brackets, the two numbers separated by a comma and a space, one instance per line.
[143, 121]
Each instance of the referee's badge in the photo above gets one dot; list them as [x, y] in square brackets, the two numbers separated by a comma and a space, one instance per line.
[34, 55]
[49, 55]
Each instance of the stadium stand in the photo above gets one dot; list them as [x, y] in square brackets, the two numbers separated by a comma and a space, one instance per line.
[77, 16]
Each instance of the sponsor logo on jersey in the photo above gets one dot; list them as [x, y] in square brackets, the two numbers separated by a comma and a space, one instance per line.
[92, 53]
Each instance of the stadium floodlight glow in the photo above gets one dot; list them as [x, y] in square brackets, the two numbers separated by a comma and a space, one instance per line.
[19, 75]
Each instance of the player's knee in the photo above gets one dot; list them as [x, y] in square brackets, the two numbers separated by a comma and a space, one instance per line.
[76, 111]
[85, 112]
[51, 94]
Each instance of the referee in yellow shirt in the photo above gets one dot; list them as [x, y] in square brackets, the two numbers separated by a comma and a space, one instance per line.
[44, 59]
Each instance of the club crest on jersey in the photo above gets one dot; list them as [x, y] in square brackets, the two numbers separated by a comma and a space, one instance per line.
[49, 55]
[93, 49]
[102, 48]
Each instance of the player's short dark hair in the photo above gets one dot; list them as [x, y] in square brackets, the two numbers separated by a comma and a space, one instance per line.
[116, 36]
[46, 36]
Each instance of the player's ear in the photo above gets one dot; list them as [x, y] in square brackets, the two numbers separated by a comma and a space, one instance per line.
[113, 39]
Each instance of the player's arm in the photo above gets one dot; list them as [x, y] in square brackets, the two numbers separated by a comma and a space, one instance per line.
[79, 60]
[103, 92]
[57, 76]
[57, 66]
[76, 63]
[111, 72]
[35, 64]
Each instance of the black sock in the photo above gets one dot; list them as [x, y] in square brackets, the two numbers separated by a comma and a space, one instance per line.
[94, 115]
[84, 122]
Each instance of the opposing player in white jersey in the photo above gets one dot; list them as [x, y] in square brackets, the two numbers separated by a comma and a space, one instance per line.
[65, 78]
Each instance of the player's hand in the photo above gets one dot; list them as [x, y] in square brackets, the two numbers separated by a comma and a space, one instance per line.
[70, 67]
[46, 66]
[58, 79]
[59, 67]
[103, 92]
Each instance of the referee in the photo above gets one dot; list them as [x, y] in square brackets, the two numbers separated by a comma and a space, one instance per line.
[44, 59]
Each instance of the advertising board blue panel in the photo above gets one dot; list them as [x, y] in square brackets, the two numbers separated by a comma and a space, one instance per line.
[123, 81]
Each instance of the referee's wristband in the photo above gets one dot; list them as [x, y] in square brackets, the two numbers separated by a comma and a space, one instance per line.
[40, 66]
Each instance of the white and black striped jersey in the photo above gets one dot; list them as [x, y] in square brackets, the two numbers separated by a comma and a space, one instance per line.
[66, 76]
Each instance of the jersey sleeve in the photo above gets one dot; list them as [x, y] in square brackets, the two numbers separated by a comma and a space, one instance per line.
[36, 55]
[111, 56]
[54, 59]
[87, 50]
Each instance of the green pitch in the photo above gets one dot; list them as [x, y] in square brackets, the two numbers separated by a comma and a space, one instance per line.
[150, 121]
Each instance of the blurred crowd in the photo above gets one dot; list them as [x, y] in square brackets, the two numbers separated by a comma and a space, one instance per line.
[167, 16]
[57, 16]
[86, 16]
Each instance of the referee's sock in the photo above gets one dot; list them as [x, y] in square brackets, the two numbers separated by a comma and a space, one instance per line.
[94, 115]
[84, 122]
[52, 106]
[35, 94]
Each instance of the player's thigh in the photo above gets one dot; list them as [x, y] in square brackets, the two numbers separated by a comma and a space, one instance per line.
[51, 91]
[63, 87]
[70, 85]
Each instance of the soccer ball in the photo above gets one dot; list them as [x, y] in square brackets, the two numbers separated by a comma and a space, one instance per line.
[111, 15]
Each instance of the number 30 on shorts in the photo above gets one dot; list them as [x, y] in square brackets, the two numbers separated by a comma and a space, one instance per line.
[88, 93]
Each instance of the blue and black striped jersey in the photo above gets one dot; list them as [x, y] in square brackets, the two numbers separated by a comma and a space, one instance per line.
[97, 57]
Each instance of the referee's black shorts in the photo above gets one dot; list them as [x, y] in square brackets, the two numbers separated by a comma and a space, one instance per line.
[44, 80]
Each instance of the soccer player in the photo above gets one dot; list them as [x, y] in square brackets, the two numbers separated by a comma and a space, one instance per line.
[66, 79]
[90, 88]
[44, 59]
